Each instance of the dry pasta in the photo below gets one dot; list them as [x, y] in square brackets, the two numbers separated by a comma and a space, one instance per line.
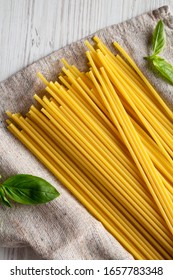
[107, 136]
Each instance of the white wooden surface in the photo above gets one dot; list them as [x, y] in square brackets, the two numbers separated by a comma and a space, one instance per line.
[31, 29]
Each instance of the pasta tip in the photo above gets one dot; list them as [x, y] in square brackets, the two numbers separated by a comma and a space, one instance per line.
[9, 114]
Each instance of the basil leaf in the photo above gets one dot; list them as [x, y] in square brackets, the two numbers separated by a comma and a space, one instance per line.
[159, 38]
[164, 68]
[3, 198]
[28, 189]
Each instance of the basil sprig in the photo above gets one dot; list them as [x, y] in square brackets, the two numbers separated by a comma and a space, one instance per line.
[27, 189]
[158, 44]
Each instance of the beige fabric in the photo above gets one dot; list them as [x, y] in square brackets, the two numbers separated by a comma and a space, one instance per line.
[63, 229]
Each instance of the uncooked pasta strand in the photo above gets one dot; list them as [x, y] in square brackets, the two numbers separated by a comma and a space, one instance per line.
[125, 94]
[146, 101]
[155, 94]
[91, 187]
[165, 204]
[103, 190]
[62, 177]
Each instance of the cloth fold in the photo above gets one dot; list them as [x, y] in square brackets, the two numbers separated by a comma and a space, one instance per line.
[64, 229]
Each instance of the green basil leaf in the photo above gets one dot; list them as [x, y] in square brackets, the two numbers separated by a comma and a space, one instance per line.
[3, 197]
[159, 38]
[28, 189]
[164, 68]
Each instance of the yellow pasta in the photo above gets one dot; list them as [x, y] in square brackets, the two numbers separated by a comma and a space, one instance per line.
[107, 136]
[155, 94]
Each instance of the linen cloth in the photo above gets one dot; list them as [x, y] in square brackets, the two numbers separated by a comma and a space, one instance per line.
[63, 228]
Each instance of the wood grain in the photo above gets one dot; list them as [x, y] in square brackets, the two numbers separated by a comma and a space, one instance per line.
[31, 29]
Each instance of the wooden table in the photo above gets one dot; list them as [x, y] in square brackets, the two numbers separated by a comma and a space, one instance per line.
[31, 29]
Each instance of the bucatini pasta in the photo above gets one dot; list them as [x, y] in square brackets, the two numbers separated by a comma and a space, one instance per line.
[106, 134]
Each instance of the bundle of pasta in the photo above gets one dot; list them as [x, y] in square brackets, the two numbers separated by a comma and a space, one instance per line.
[107, 136]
